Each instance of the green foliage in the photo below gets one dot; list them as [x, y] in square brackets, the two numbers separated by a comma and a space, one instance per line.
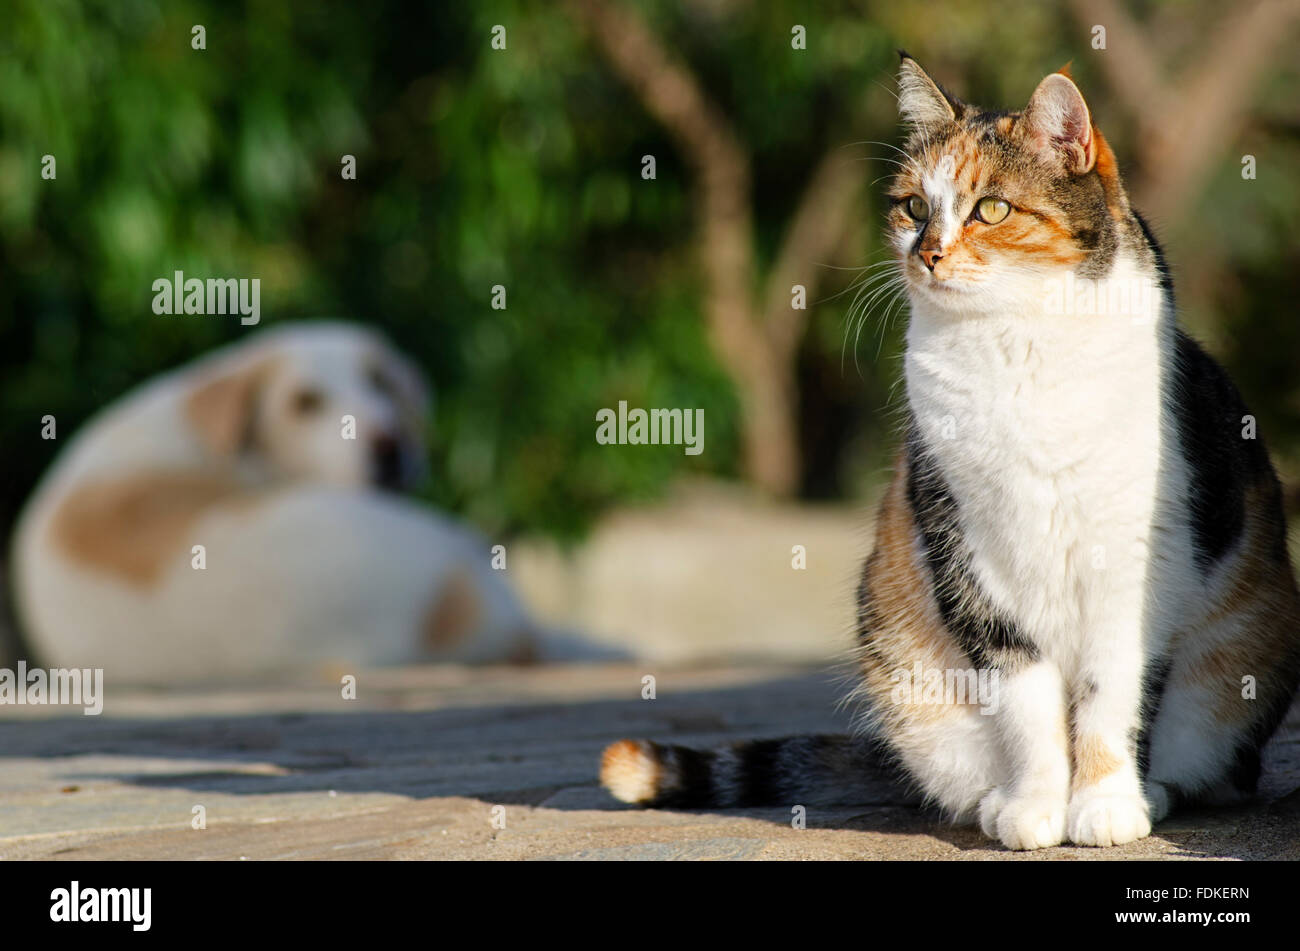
[521, 168]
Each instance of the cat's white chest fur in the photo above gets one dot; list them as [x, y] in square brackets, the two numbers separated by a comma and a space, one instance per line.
[1047, 425]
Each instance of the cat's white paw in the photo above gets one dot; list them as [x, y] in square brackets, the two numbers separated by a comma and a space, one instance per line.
[1100, 819]
[1024, 822]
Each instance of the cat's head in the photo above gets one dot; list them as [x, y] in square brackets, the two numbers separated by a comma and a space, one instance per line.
[987, 205]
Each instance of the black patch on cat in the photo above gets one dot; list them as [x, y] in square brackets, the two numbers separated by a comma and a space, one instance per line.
[1092, 229]
[1158, 253]
[760, 772]
[1222, 465]
[1154, 681]
[985, 126]
[815, 770]
[1275, 691]
[1246, 767]
[695, 789]
[987, 637]
[1100, 245]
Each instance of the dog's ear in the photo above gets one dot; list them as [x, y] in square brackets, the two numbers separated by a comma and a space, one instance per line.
[221, 407]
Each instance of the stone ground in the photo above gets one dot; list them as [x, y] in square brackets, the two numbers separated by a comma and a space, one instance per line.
[415, 767]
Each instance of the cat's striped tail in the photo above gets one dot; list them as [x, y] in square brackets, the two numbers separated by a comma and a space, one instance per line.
[809, 770]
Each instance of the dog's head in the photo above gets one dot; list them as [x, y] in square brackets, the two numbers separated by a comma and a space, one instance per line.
[331, 403]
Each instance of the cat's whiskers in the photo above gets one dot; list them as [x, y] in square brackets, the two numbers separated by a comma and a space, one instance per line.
[855, 284]
[889, 285]
[887, 145]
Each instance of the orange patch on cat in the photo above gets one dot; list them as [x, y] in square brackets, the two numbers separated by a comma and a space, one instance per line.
[1033, 237]
[1250, 632]
[630, 771]
[1108, 171]
[908, 627]
[961, 161]
[1092, 760]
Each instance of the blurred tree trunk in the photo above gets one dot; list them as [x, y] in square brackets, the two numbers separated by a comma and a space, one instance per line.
[1186, 122]
[753, 327]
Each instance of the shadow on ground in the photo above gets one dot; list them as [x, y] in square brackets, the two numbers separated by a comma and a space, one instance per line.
[339, 777]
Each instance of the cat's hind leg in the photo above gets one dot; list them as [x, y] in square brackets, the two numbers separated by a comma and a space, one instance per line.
[1231, 680]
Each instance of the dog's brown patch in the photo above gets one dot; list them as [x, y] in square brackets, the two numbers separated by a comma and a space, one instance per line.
[136, 527]
[221, 408]
[454, 614]
[525, 651]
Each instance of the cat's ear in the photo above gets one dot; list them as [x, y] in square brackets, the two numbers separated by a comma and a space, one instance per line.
[1057, 126]
[921, 101]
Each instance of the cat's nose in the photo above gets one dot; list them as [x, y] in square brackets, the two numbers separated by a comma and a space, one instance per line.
[930, 256]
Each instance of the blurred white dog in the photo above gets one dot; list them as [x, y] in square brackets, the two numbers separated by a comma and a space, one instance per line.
[230, 518]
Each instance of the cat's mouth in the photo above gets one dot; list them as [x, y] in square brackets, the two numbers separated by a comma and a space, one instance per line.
[942, 287]
[921, 278]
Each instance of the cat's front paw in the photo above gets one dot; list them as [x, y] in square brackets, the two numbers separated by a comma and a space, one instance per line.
[1102, 819]
[1021, 823]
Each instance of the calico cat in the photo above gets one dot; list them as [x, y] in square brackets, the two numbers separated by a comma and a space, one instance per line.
[1081, 507]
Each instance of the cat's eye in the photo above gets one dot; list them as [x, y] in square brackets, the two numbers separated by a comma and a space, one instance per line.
[918, 208]
[992, 210]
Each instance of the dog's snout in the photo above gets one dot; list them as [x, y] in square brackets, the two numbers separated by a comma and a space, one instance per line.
[386, 452]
